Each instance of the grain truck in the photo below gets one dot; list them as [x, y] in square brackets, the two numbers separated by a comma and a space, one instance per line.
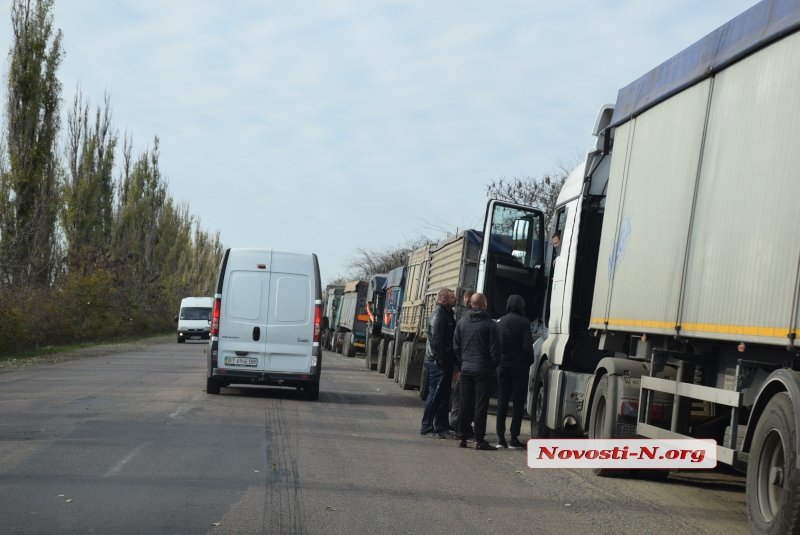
[333, 296]
[376, 297]
[673, 303]
[351, 331]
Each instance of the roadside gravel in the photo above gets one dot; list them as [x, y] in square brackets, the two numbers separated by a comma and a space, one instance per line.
[13, 364]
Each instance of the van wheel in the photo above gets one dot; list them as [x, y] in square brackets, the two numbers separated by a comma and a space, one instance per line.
[181, 339]
[390, 360]
[773, 498]
[382, 356]
[311, 391]
[539, 409]
[602, 423]
[212, 386]
[423, 383]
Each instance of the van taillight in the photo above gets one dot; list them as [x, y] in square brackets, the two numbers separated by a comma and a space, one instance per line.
[215, 317]
[317, 322]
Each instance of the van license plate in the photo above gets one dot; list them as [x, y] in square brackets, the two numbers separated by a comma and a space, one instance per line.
[626, 430]
[240, 361]
[195, 338]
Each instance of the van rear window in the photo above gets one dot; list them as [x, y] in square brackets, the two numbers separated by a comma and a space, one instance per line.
[195, 313]
[244, 296]
[292, 301]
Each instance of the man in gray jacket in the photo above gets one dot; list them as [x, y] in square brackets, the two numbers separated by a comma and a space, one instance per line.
[515, 363]
[478, 348]
[439, 359]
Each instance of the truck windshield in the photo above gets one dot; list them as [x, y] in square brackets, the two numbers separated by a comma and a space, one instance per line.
[196, 313]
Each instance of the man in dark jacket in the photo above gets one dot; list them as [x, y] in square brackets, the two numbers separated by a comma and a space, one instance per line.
[439, 359]
[477, 347]
[515, 363]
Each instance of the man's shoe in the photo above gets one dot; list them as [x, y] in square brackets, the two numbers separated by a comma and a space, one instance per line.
[425, 433]
[483, 446]
[502, 443]
[438, 435]
[516, 444]
[462, 443]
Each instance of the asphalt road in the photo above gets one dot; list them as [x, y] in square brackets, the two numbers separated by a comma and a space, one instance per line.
[130, 443]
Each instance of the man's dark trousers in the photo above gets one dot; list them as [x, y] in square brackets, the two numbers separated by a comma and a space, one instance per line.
[512, 384]
[474, 404]
[434, 418]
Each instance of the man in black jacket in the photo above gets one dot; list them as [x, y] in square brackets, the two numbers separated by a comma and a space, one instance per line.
[439, 359]
[515, 363]
[477, 347]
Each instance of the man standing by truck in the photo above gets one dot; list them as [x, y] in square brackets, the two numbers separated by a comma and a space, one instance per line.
[477, 347]
[512, 377]
[439, 359]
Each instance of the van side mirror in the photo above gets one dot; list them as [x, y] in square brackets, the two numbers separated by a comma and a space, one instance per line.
[176, 319]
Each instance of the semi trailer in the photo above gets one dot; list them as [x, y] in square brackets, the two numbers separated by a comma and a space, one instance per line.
[376, 297]
[672, 309]
[353, 318]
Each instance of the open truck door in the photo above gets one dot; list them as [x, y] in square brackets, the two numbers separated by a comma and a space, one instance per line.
[512, 258]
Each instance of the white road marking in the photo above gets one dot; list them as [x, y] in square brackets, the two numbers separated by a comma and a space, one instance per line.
[186, 407]
[117, 467]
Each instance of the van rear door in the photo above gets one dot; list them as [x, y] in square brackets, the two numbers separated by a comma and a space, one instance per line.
[243, 318]
[291, 313]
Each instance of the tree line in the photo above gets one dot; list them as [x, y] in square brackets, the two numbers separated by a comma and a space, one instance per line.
[92, 244]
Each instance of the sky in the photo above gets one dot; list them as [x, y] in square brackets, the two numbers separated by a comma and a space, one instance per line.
[330, 126]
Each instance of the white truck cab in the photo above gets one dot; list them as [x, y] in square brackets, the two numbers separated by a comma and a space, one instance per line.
[266, 321]
[194, 319]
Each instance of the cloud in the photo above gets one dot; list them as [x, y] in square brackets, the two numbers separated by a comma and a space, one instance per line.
[327, 126]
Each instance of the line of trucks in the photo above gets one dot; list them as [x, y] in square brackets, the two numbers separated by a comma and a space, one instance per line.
[672, 309]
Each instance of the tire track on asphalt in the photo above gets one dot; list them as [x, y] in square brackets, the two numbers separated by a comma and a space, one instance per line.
[282, 504]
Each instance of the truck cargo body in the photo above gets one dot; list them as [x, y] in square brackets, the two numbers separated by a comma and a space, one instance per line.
[333, 295]
[673, 304]
[384, 345]
[375, 302]
[353, 317]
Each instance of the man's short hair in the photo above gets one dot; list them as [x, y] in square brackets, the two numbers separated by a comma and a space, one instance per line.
[468, 295]
[442, 296]
[557, 234]
[478, 300]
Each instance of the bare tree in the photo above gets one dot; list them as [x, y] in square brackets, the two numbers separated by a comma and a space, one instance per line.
[537, 191]
[366, 262]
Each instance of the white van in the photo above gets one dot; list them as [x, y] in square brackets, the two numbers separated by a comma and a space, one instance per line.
[266, 321]
[194, 320]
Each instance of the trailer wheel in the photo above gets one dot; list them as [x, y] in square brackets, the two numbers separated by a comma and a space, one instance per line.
[368, 353]
[423, 383]
[773, 486]
[539, 409]
[601, 424]
[382, 356]
[405, 364]
[339, 336]
[390, 360]
[351, 348]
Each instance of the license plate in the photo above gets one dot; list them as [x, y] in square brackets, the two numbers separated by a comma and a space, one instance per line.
[626, 430]
[195, 338]
[240, 361]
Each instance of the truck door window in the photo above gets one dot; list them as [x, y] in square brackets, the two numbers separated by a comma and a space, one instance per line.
[515, 235]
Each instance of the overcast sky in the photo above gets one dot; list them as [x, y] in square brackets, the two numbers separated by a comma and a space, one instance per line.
[327, 126]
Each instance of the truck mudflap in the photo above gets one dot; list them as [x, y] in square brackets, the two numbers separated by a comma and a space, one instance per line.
[783, 380]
